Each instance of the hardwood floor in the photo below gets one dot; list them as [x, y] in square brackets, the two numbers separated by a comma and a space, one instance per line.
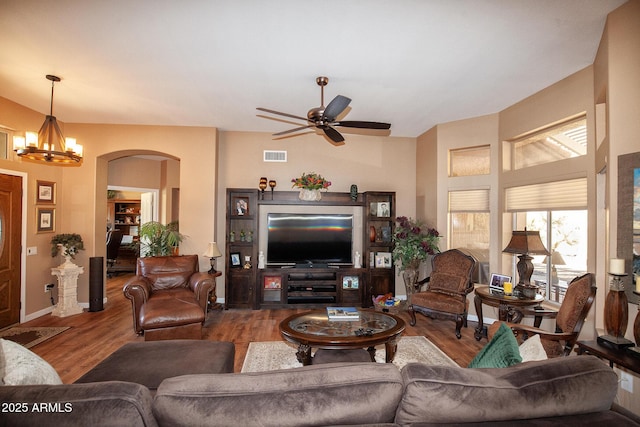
[95, 335]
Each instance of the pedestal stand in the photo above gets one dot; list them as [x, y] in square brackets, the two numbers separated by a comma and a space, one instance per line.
[67, 274]
[616, 315]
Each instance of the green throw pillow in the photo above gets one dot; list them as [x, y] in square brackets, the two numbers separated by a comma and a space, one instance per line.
[501, 352]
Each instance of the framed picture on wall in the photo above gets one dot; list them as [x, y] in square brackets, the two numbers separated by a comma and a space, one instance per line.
[46, 220]
[45, 192]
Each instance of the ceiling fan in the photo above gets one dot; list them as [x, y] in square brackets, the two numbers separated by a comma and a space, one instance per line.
[326, 118]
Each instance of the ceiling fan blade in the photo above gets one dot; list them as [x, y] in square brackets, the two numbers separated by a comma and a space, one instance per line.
[333, 134]
[363, 125]
[335, 107]
[282, 114]
[293, 130]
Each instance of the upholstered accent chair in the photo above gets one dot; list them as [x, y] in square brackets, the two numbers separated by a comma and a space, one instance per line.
[569, 317]
[169, 297]
[446, 293]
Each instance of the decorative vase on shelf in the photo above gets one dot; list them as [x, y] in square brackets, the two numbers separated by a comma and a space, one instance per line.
[310, 195]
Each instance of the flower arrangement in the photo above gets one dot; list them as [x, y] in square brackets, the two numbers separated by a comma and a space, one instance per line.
[413, 242]
[72, 243]
[311, 181]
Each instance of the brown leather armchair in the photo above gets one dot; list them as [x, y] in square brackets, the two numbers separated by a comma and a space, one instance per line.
[448, 286]
[569, 318]
[169, 297]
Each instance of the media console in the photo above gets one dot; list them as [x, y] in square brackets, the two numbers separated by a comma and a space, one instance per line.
[307, 286]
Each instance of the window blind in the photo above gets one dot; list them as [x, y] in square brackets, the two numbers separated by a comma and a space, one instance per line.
[469, 201]
[568, 194]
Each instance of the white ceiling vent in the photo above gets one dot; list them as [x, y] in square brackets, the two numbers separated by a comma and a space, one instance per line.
[275, 156]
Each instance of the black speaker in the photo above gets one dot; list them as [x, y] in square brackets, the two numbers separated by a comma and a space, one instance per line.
[96, 283]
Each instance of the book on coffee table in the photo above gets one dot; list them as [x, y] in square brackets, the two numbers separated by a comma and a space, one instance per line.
[343, 313]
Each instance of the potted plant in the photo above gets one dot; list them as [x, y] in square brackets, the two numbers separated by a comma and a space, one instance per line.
[69, 244]
[310, 185]
[412, 244]
[158, 239]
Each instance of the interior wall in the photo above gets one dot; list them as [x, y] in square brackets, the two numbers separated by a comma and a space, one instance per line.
[372, 163]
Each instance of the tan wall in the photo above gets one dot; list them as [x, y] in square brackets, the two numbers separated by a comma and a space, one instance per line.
[135, 172]
[616, 85]
[81, 203]
[372, 163]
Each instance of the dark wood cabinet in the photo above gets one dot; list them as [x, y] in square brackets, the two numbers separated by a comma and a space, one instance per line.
[246, 286]
[241, 249]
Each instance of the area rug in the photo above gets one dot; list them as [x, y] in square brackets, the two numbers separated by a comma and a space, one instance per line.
[28, 337]
[272, 355]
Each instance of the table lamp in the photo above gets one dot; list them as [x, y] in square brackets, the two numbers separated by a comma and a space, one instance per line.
[212, 253]
[525, 243]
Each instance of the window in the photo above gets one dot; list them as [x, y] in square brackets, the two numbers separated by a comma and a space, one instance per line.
[561, 141]
[469, 161]
[469, 226]
[4, 138]
[558, 211]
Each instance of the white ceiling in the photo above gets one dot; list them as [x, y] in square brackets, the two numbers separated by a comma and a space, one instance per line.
[411, 63]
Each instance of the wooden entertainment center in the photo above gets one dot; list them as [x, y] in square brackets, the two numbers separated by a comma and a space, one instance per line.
[247, 286]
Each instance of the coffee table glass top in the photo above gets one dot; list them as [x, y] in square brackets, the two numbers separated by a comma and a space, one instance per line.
[317, 323]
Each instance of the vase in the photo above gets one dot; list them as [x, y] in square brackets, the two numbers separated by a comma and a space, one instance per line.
[410, 278]
[310, 195]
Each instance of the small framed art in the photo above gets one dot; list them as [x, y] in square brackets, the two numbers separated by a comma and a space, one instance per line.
[234, 259]
[241, 205]
[383, 260]
[45, 192]
[383, 210]
[350, 282]
[272, 282]
[46, 220]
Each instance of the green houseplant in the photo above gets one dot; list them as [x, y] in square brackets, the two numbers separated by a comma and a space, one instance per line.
[157, 239]
[70, 244]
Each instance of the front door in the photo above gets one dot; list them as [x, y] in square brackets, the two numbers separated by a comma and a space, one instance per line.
[10, 262]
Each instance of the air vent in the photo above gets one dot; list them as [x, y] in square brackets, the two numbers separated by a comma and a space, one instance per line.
[275, 156]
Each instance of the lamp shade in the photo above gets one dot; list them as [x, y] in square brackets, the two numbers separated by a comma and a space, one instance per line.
[526, 242]
[212, 251]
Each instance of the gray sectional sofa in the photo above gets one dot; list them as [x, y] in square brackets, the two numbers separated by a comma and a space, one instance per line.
[577, 390]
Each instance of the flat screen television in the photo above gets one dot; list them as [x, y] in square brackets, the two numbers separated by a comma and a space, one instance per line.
[297, 238]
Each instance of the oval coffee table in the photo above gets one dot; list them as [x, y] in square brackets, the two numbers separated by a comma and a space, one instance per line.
[314, 330]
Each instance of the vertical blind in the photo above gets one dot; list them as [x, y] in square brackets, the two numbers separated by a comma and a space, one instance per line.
[567, 194]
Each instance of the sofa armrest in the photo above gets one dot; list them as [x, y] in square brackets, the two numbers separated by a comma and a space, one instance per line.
[202, 284]
[93, 404]
[137, 289]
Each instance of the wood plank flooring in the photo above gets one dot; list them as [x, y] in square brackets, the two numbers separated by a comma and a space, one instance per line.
[95, 335]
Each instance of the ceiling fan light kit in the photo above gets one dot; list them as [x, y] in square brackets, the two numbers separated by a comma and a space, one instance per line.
[325, 118]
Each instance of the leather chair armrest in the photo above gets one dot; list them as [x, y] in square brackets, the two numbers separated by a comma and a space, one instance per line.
[137, 289]
[202, 284]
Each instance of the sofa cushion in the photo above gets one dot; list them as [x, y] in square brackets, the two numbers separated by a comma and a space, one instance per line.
[20, 366]
[316, 395]
[111, 403]
[149, 363]
[549, 388]
[501, 352]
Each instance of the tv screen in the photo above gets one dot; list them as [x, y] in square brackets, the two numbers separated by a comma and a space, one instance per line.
[309, 238]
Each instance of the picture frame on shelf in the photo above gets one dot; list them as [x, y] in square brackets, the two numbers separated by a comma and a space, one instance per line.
[241, 206]
[45, 220]
[386, 234]
[45, 192]
[383, 260]
[235, 260]
[383, 210]
[373, 209]
[272, 282]
[350, 282]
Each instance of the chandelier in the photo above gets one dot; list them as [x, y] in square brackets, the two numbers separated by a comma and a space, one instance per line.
[49, 145]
